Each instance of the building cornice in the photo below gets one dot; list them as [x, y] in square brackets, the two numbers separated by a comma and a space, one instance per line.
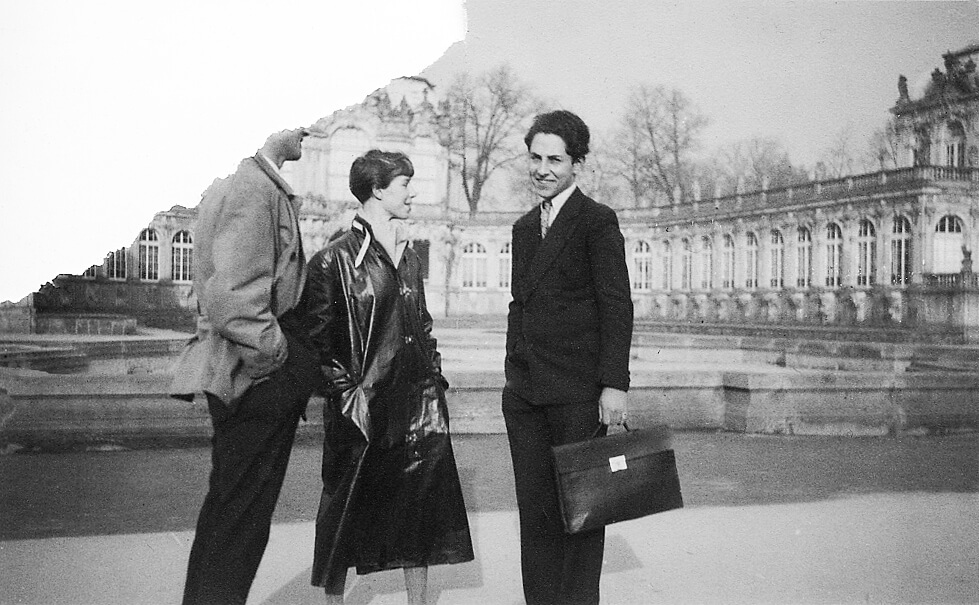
[857, 189]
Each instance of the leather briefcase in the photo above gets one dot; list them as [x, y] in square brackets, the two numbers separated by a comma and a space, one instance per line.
[616, 478]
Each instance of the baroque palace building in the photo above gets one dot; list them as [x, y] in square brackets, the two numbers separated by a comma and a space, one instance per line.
[888, 250]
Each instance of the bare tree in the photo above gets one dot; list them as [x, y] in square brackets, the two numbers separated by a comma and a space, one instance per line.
[482, 119]
[666, 127]
[883, 149]
[839, 159]
[763, 162]
[599, 174]
[628, 157]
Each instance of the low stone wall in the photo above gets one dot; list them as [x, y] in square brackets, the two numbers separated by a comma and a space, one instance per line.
[851, 403]
[36, 406]
[17, 318]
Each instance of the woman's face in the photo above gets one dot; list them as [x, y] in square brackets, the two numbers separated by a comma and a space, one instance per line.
[396, 197]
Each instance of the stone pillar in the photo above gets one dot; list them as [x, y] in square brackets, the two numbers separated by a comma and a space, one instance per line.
[922, 242]
[696, 259]
[740, 256]
[790, 237]
[972, 232]
[166, 254]
[848, 256]
[819, 253]
[764, 234]
[717, 243]
[885, 234]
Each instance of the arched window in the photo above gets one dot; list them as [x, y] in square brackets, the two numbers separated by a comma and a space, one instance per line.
[183, 257]
[803, 258]
[667, 273]
[504, 266]
[901, 252]
[866, 253]
[686, 265]
[642, 267]
[778, 259]
[116, 264]
[706, 264]
[948, 245]
[751, 262]
[473, 266]
[149, 255]
[727, 262]
[834, 255]
[955, 145]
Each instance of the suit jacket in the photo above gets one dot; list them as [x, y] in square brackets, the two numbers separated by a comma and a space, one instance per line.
[569, 327]
[249, 270]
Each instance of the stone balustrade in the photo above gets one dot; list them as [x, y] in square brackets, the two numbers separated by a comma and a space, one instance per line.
[812, 191]
[952, 312]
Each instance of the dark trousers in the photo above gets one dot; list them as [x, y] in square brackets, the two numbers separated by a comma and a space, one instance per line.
[557, 568]
[250, 453]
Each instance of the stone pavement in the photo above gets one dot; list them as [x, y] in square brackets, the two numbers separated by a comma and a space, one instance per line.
[768, 520]
[917, 548]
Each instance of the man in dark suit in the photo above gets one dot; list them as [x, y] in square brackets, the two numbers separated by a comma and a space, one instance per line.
[250, 358]
[569, 331]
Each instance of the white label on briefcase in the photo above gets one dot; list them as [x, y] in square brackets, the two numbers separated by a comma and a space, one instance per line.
[617, 463]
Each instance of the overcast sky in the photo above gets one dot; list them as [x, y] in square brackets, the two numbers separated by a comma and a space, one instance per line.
[798, 71]
[113, 110]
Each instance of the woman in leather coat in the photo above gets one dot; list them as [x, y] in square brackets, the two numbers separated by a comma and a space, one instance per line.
[391, 494]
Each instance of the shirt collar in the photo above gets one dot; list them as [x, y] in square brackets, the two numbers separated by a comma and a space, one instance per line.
[271, 164]
[370, 231]
[557, 202]
[273, 173]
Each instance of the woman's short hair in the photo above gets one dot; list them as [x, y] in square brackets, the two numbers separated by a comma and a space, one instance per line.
[377, 168]
[566, 125]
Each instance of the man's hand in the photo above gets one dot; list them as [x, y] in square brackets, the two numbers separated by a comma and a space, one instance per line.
[612, 406]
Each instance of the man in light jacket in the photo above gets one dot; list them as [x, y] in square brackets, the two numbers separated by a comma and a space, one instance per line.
[250, 359]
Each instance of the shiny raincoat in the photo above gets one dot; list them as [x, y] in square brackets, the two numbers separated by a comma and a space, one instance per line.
[391, 494]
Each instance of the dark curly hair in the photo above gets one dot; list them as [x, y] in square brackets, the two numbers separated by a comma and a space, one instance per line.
[566, 125]
[377, 168]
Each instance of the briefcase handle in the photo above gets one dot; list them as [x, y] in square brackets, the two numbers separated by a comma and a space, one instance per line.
[625, 425]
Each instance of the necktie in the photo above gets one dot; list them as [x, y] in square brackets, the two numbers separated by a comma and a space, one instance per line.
[545, 216]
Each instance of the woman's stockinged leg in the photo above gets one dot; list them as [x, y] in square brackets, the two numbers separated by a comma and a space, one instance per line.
[416, 585]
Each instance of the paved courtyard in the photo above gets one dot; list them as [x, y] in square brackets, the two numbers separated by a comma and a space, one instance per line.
[767, 520]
